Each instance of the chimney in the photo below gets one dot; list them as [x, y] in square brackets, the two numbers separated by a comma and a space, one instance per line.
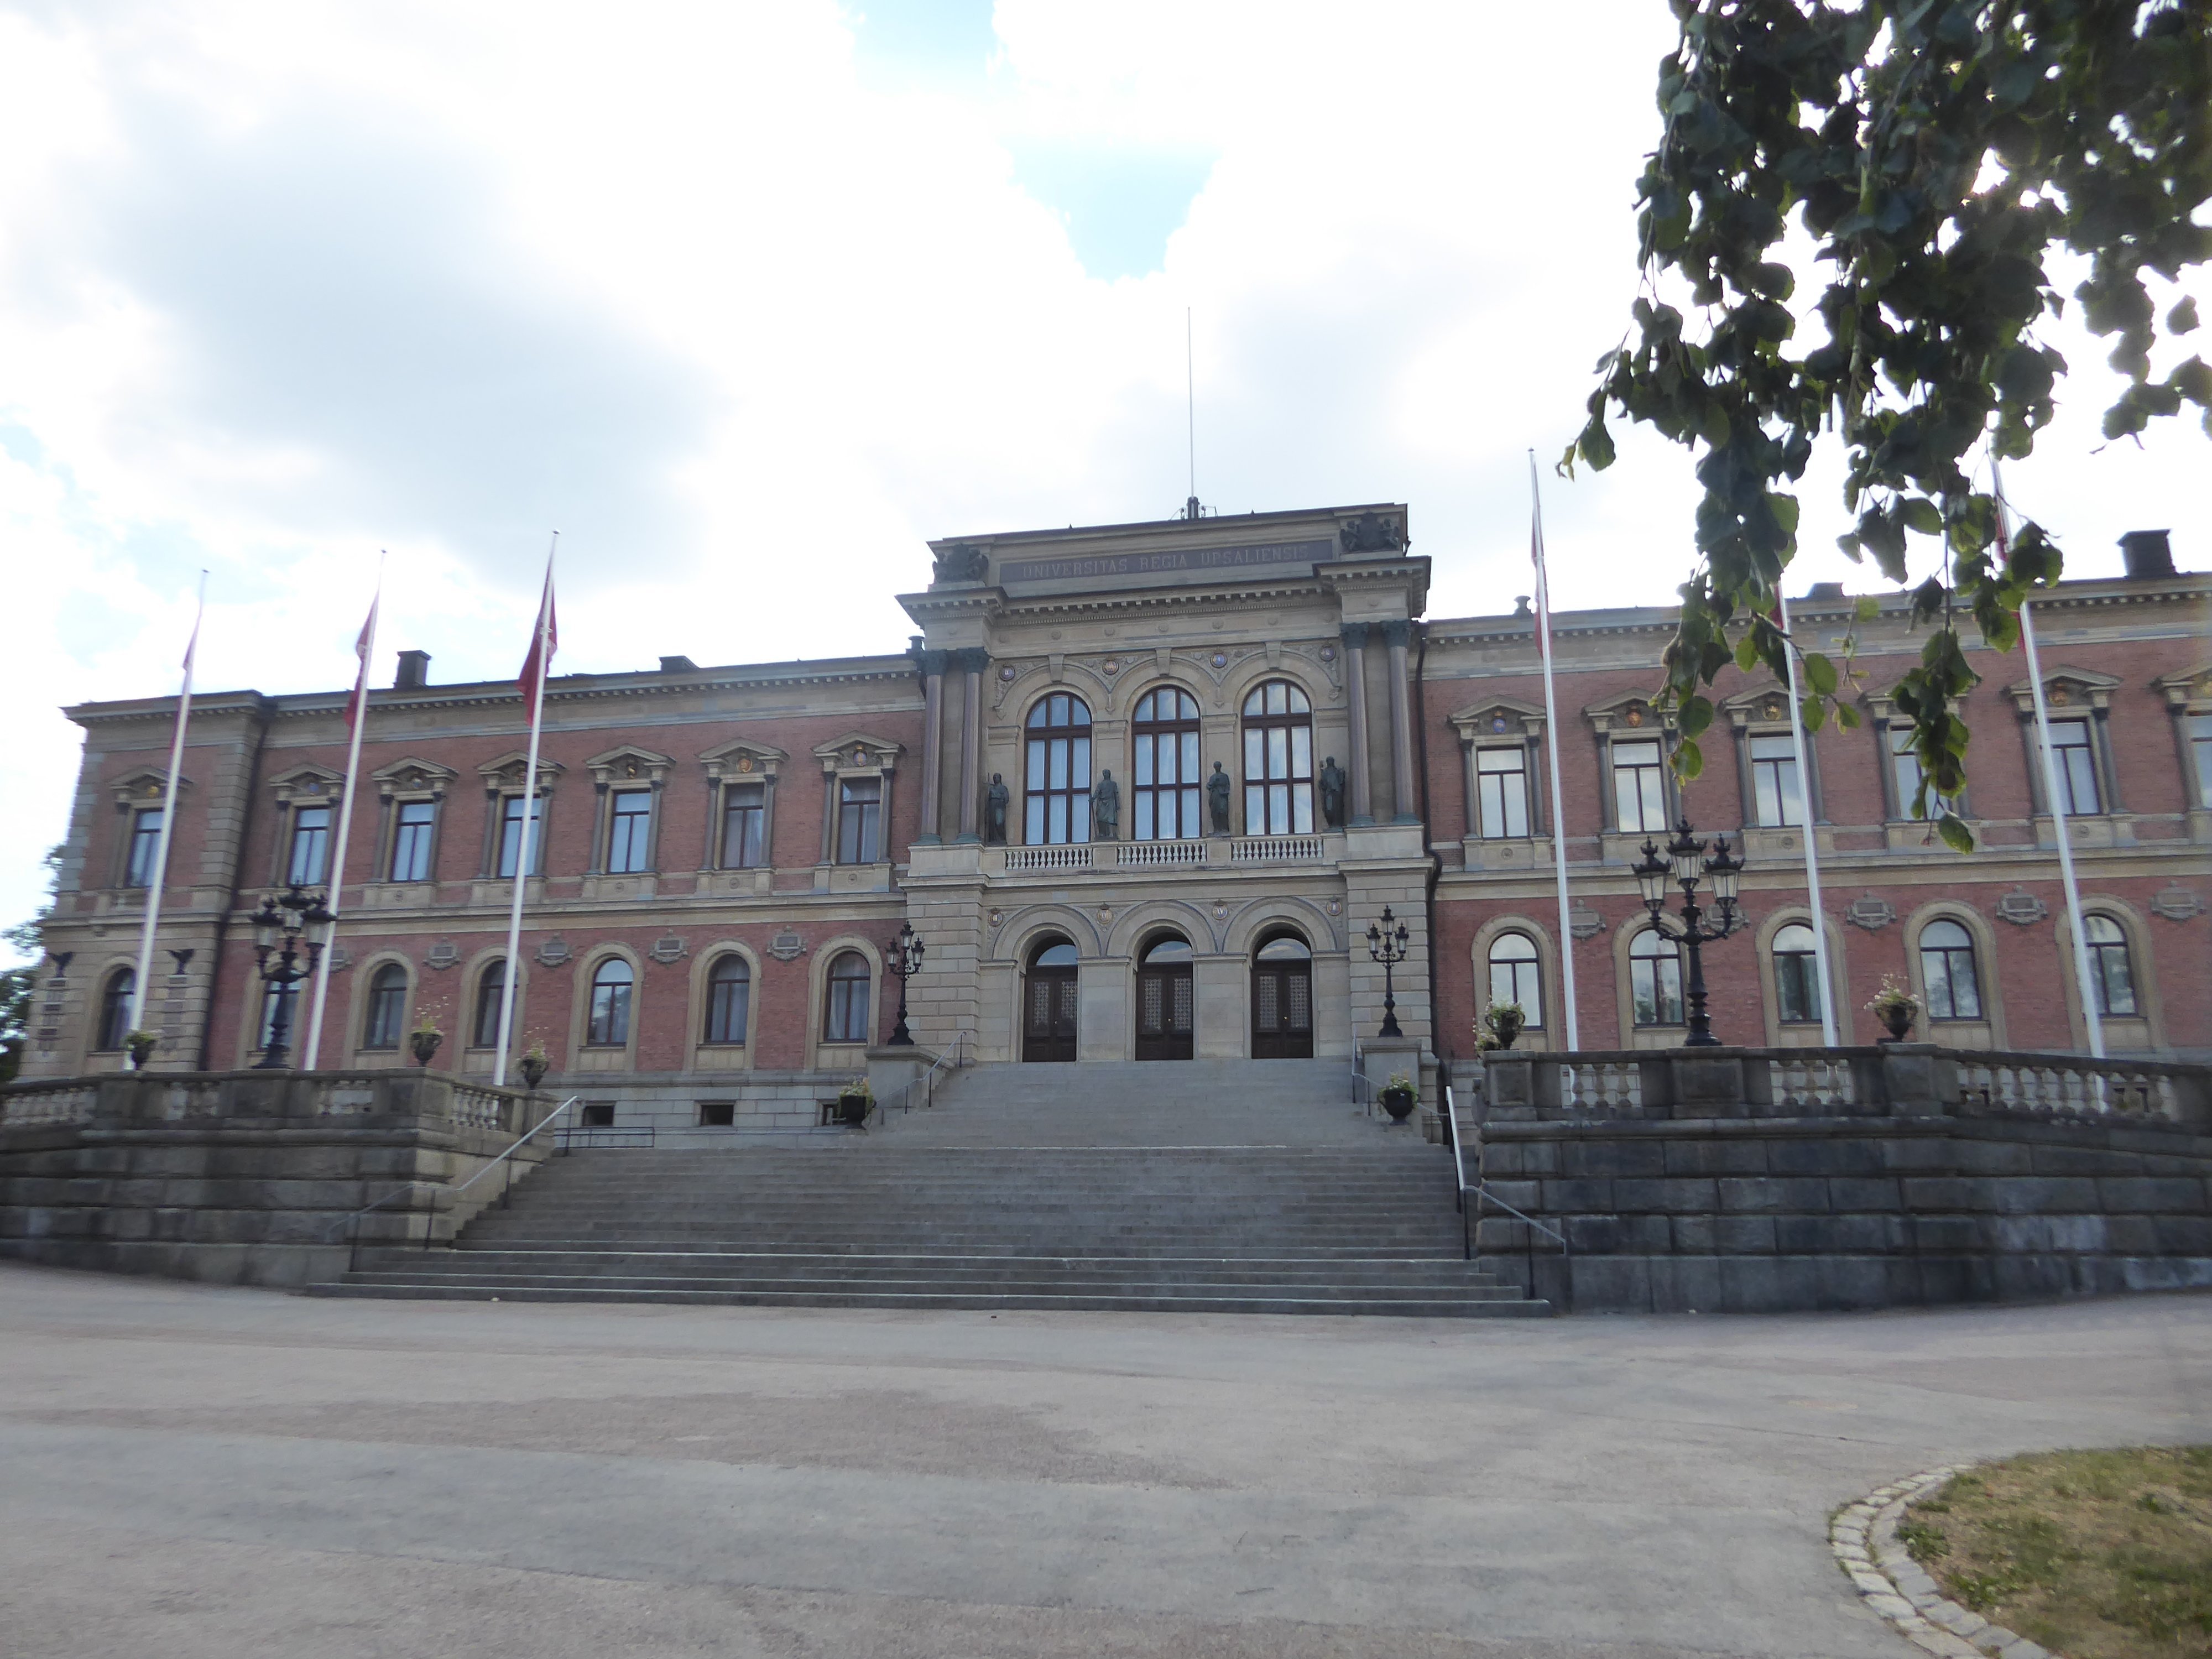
[2149, 554]
[679, 665]
[1825, 593]
[414, 672]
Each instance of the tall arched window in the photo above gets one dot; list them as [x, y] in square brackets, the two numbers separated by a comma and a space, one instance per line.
[2111, 969]
[491, 984]
[1796, 977]
[387, 1008]
[612, 982]
[846, 1017]
[1946, 969]
[729, 1000]
[1514, 976]
[1278, 761]
[1654, 978]
[115, 1008]
[1058, 776]
[1166, 781]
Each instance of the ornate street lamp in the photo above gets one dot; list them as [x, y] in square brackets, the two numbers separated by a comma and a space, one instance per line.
[1686, 863]
[1388, 946]
[905, 961]
[278, 928]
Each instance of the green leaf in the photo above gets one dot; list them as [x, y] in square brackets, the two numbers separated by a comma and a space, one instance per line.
[1847, 717]
[1955, 835]
[1697, 713]
[1869, 608]
[2183, 318]
[1814, 713]
[1746, 653]
[1819, 674]
[1922, 516]
[1689, 761]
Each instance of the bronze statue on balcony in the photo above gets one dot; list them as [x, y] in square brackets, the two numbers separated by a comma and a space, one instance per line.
[1217, 799]
[1105, 808]
[995, 812]
[1332, 793]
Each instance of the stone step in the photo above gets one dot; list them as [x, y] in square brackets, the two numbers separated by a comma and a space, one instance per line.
[1452, 1307]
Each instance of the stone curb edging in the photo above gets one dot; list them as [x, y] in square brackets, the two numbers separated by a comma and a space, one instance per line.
[1864, 1538]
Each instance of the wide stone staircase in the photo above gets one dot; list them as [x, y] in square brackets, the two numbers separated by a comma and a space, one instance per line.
[1204, 1187]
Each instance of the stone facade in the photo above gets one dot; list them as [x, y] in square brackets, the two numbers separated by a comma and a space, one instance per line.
[644, 865]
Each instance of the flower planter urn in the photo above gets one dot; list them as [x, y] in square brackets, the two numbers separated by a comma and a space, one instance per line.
[142, 1050]
[852, 1109]
[1898, 1018]
[1399, 1103]
[532, 1068]
[425, 1044]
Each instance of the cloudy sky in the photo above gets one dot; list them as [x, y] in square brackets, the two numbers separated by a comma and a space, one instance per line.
[747, 300]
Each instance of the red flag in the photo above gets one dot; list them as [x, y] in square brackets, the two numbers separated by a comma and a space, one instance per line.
[542, 642]
[363, 647]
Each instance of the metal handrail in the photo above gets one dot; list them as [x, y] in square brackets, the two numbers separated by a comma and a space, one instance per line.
[1483, 1194]
[1362, 1089]
[927, 1082]
[1459, 1172]
[353, 1222]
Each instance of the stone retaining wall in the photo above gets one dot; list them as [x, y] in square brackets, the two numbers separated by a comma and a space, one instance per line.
[247, 1177]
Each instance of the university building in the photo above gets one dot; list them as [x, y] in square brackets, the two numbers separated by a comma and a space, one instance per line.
[1142, 790]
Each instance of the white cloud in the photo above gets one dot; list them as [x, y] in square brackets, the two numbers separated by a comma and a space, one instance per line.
[744, 298]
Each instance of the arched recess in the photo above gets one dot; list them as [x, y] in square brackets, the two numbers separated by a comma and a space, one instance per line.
[2144, 1033]
[1552, 1033]
[1049, 1029]
[720, 1056]
[1017, 694]
[847, 1057]
[1632, 1036]
[481, 1057]
[1139, 921]
[362, 975]
[1011, 941]
[1987, 1032]
[1779, 1036]
[583, 1056]
[1245, 925]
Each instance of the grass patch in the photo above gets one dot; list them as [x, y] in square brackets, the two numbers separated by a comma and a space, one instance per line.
[2094, 1555]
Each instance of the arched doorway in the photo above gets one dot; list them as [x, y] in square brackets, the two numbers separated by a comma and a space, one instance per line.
[1048, 1003]
[1166, 1002]
[1282, 999]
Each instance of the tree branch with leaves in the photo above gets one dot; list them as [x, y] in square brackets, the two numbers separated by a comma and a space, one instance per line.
[1937, 154]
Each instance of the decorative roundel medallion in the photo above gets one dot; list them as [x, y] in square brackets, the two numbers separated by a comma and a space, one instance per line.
[744, 762]
[1112, 666]
[1773, 710]
[859, 756]
[1221, 660]
[1636, 714]
[314, 786]
[1007, 672]
[1329, 653]
[1220, 912]
[1498, 722]
[1336, 906]
[1105, 913]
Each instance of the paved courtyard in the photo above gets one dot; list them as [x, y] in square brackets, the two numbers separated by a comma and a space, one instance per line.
[188, 1471]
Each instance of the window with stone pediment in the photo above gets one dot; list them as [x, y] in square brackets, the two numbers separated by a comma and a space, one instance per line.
[2074, 764]
[1166, 779]
[145, 847]
[2077, 702]
[628, 782]
[1056, 773]
[741, 781]
[1278, 764]
[1497, 744]
[139, 800]
[856, 780]
[413, 795]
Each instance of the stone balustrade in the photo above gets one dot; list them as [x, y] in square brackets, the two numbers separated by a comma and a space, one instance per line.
[1197, 853]
[151, 1098]
[1890, 1079]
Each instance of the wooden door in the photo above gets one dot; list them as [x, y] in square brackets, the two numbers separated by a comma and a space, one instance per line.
[1049, 1021]
[1165, 1011]
[1282, 1011]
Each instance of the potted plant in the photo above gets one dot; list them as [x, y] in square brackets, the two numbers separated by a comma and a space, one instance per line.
[854, 1102]
[141, 1045]
[1895, 1006]
[533, 1065]
[423, 1040]
[1399, 1096]
[1504, 1021]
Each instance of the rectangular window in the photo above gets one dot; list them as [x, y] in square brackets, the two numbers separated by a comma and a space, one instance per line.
[2076, 761]
[1638, 790]
[629, 832]
[1777, 800]
[744, 826]
[597, 1114]
[1904, 767]
[510, 834]
[859, 814]
[311, 845]
[1501, 792]
[717, 1114]
[411, 840]
[145, 843]
[2200, 750]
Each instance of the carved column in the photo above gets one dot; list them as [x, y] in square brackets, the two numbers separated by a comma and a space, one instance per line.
[1403, 797]
[971, 662]
[1355, 685]
[1467, 768]
[932, 742]
[829, 814]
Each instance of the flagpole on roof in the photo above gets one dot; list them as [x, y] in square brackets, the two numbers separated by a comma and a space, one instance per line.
[159, 877]
[1812, 852]
[2091, 1017]
[543, 643]
[1551, 743]
[357, 717]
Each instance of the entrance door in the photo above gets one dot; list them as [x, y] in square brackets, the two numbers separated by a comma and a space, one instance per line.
[1166, 1001]
[1048, 1005]
[1282, 1001]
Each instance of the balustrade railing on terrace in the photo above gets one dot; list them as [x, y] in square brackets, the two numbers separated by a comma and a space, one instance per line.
[187, 1097]
[1910, 1077]
[1156, 855]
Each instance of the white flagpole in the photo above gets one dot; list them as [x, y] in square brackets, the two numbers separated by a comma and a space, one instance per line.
[2091, 1016]
[365, 650]
[1551, 743]
[1812, 852]
[543, 657]
[160, 872]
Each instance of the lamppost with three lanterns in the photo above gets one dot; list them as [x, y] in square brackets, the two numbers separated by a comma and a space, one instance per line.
[905, 961]
[1687, 864]
[278, 928]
